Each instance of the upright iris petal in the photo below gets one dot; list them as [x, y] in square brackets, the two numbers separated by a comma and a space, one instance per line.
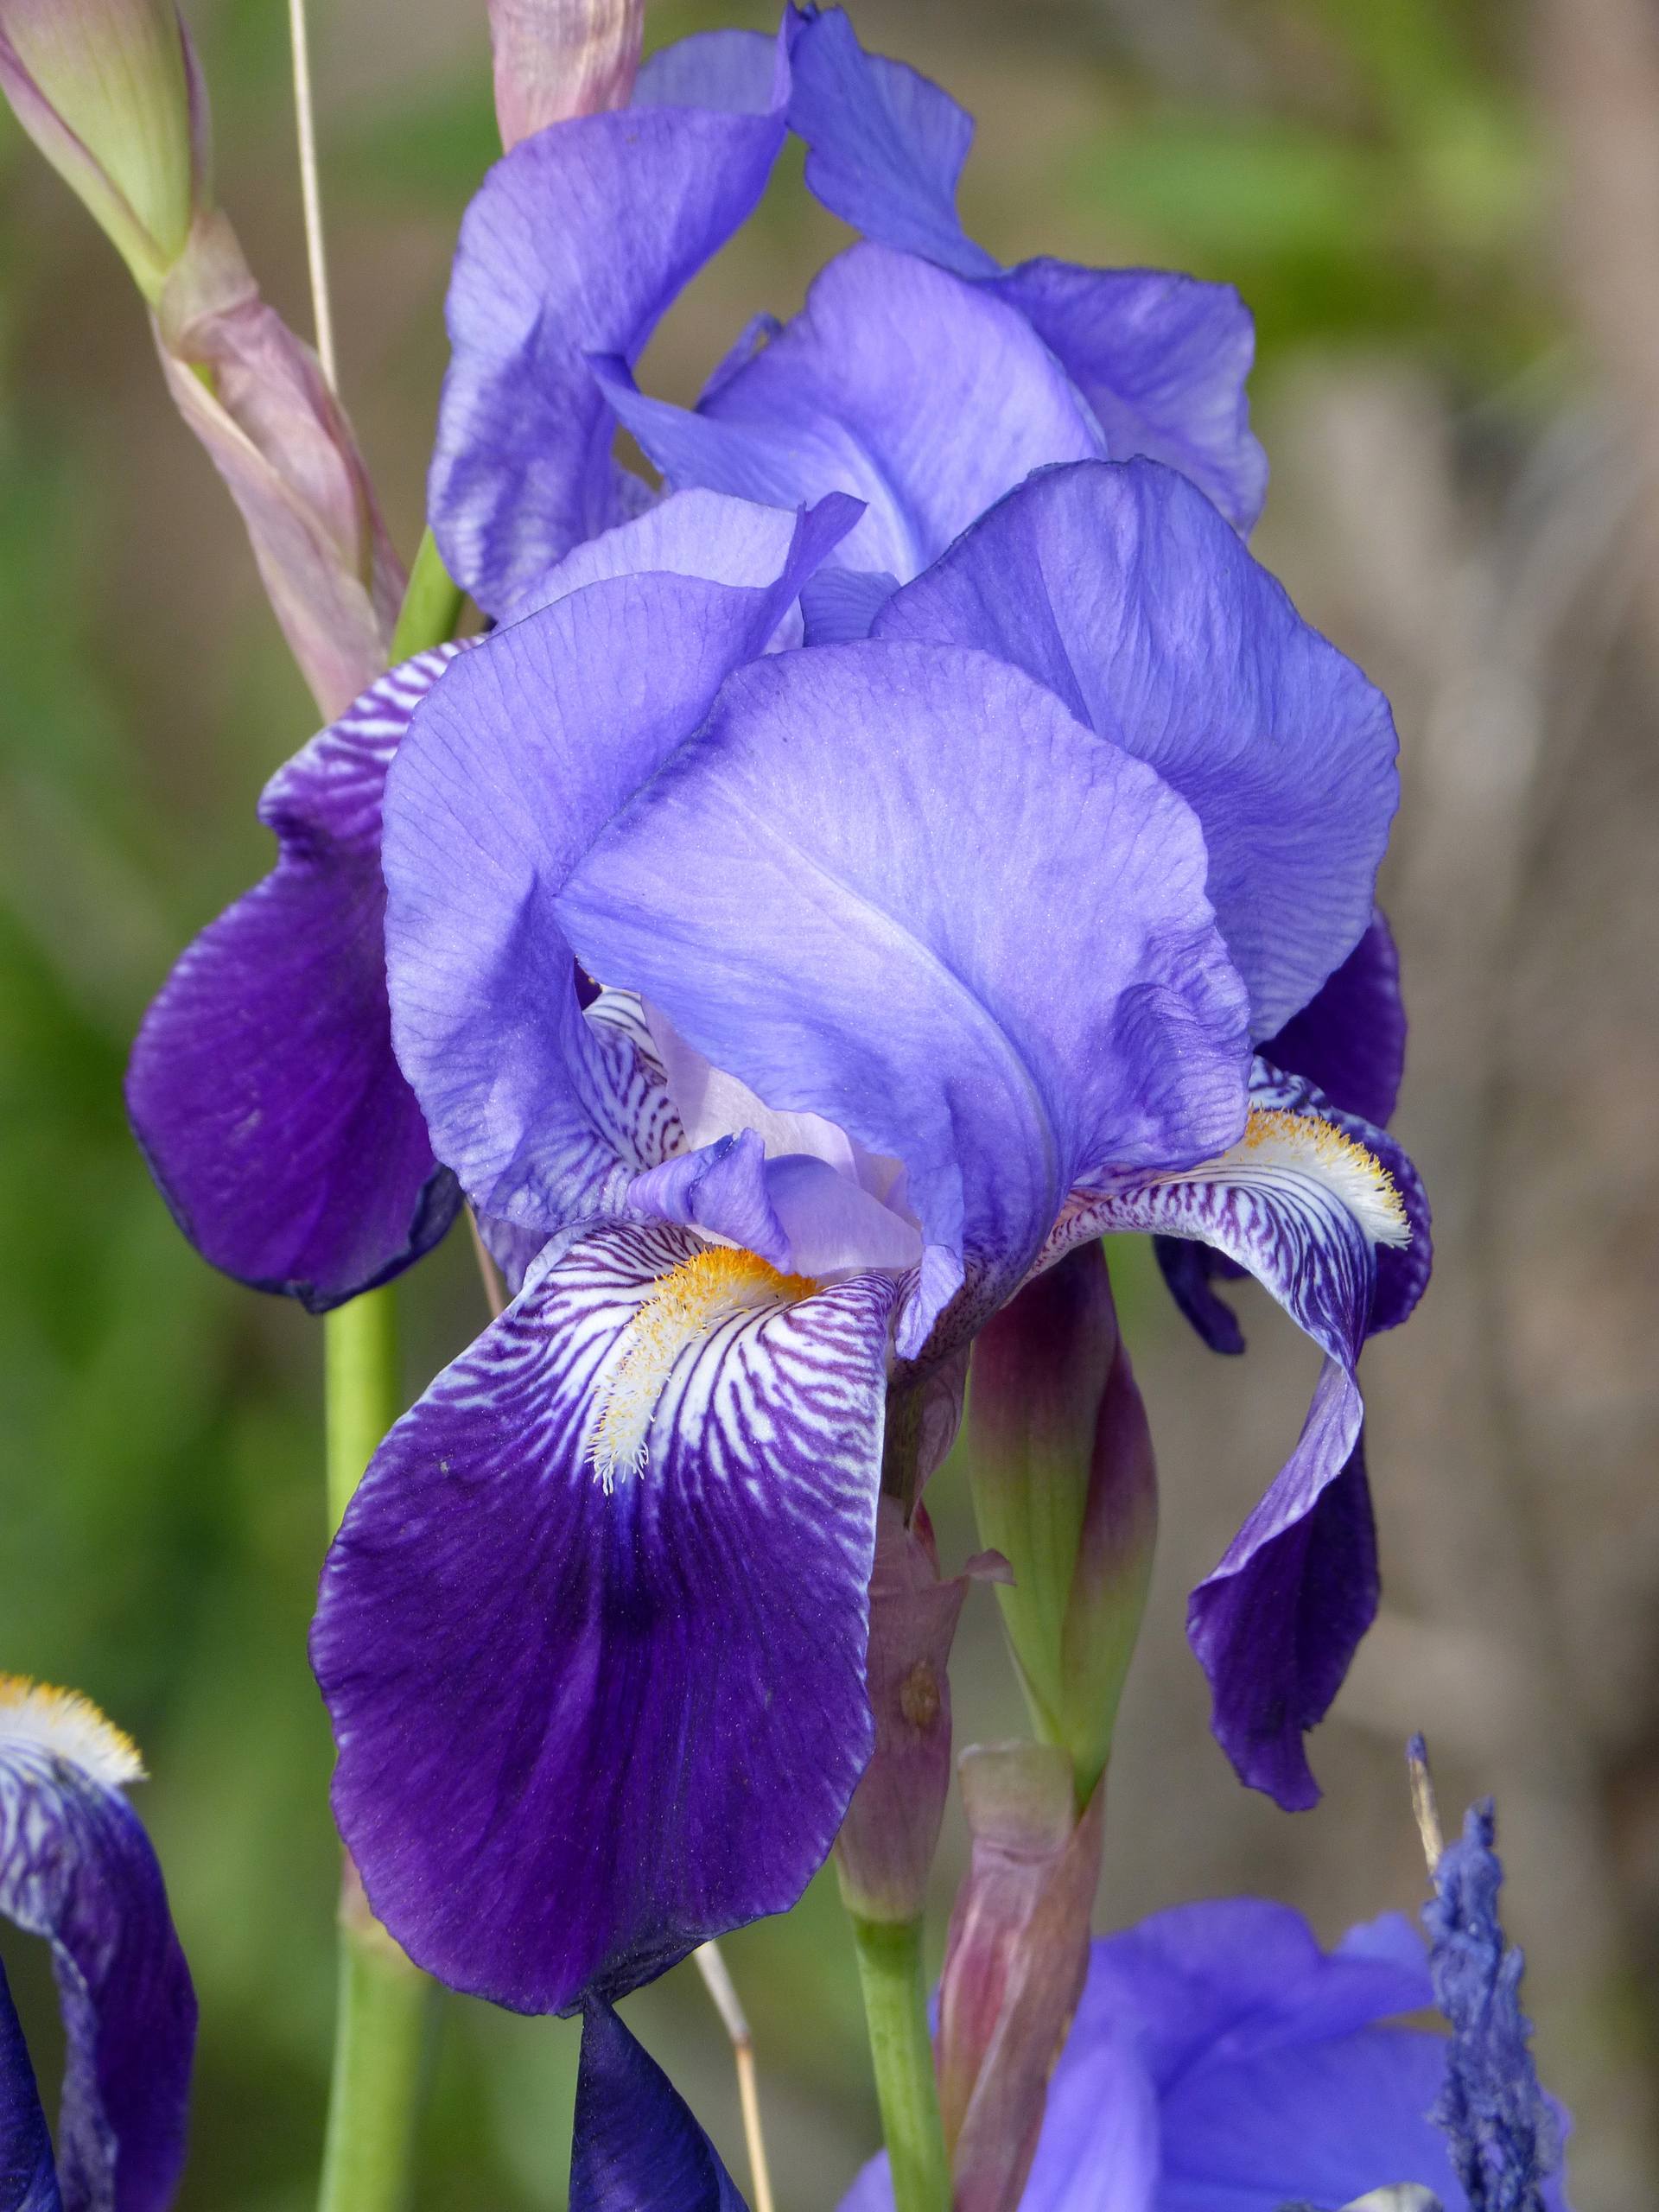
[1120, 589]
[1161, 358]
[578, 240]
[263, 1087]
[77, 1868]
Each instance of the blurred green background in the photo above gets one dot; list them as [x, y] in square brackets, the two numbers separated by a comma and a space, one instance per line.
[1450, 259]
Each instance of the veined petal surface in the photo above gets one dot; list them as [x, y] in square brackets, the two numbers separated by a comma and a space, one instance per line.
[913, 389]
[1311, 1211]
[77, 1868]
[1349, 1038]
[263, 1087]
[593, 1633]
[552, 724]
[637, 2147]
[902, 889]
[577, 242]
[1122, 590]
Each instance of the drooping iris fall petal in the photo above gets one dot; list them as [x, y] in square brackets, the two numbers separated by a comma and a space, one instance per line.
[636, 2147]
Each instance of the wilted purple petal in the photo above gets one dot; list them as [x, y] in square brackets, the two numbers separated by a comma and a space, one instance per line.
[593, 1633]
[1349, 1038]
[885, 145]
[535, 739]
[636, 2147]
[77, 1868]
[29, 2180]
[578, 241]
[1122, 591]
[1163, 360]
[908, 387]
[263, 1087]
[854, 841]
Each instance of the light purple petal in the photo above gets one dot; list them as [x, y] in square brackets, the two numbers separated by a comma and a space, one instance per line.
[590, 1713]
[504, 781]
[735, 73]
[28, 2180]
[263, 1087]
[77, 1868]
[841, 605]
[886, 145]
[1163, 360]
[578, 241]
[908, 387]
[1122, 590]
[636, 2147]
[1349, 1039]
[721, 1188]
[902, 889]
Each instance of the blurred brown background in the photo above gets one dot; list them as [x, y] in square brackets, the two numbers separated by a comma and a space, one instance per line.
[1445, 214]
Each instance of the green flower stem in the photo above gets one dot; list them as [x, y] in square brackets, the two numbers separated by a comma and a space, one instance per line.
[901, 2051]
[431, 607]
[383, 2000]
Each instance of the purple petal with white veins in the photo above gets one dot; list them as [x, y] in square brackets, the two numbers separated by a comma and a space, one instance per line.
[593, 1633]
[578, 241]
[1310, 1209]
[636, 2147]
[909, 388]
[886, 145]
[263, 1087]
[1163, 360]
[1349, 1038]
[28, 2180]
[1122, 590]
[515, 762]
[77, 1868]
[933, 909]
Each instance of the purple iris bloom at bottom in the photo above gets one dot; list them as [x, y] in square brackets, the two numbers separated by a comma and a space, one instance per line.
[77, 1868]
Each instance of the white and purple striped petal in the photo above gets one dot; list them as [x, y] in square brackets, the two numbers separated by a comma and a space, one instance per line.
[921, 394]
[263, 1087]
[1311, 1211]
[1161, 358]
[515, 763]
[77, 1868]
[578, 240]
[1122, 590]
[900, 888]
[593, 1633]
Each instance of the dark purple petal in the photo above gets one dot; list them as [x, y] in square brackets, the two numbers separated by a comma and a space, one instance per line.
[1310, 1211]
[544, 1112]
[578, 241]
[886, 146]
[1189, 1269]
[263, 1087]
[909, 388]
[593, 1633]
[1349, 1038]
[77, 1868]
[1122, 590]
[1163, 360]
[636, 2147]
[28, 2180]
[932, 909]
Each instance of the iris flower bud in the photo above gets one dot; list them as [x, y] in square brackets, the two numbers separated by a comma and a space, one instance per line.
[1060, 1458]
[555, 59]
[108, 90]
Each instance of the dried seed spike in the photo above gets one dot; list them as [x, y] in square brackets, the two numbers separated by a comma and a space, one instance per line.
[717, 1980]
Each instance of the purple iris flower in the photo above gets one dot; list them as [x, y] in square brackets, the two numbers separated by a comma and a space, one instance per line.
[77, 1868]
[919, 377]
[1220, 2061]
[920, 965]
